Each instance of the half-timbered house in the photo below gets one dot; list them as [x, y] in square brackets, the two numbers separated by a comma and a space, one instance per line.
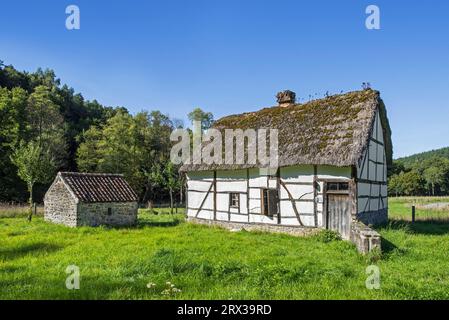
[333, 159]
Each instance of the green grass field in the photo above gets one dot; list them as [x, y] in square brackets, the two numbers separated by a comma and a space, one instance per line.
[401, 208]
[211, 263]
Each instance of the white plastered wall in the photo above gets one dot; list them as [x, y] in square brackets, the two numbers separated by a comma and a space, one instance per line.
[299, 180]
[198, 185]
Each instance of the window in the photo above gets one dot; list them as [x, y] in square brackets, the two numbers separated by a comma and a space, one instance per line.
[234, 200]
[269, 201]
[337, 186]
[343, 186]
[109, 211]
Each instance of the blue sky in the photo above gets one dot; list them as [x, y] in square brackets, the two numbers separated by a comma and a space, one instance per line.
[229, 56]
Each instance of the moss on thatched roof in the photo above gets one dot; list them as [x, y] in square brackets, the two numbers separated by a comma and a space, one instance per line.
[330, 131]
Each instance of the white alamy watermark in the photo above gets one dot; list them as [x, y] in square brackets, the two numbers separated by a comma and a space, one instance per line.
[73, 21]
[372, 22]
[208, 147]
[72, 282]
[373, 280]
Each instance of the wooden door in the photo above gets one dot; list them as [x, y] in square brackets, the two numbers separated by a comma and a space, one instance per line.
[339, 214]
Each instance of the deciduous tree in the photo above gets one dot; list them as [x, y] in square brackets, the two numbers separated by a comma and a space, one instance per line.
[34, 165]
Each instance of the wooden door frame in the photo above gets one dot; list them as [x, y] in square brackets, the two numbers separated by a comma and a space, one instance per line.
[326, 192]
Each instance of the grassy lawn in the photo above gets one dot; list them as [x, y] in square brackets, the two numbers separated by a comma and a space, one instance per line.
[211, 263]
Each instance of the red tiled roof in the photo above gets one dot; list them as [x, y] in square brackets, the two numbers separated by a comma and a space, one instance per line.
[99, 187]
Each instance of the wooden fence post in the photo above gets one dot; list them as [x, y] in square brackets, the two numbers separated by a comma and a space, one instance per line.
[413, 214]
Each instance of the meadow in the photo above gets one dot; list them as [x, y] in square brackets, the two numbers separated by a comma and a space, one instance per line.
[164, 257]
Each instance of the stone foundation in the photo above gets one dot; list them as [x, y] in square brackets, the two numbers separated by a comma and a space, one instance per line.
[291, 230]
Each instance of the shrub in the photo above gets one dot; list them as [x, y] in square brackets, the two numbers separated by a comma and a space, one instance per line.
[328, 236]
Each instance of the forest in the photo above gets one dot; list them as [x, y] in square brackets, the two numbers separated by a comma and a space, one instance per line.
[46, 127]
[423, 174]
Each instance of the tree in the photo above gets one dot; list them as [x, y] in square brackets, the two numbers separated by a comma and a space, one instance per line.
[12, 115]
[43, 113]
[206, 118]
[136, 146]
[121, 151]
[110, 149]
[46, 124]
[412, 183]
[395, 168]
[34, 165]
[154, 179]
[35, 106]
[395, 185]
[12, 129]
[435, 173]
[88, 153]
[434, 176]
[172, 181]
[406, 183]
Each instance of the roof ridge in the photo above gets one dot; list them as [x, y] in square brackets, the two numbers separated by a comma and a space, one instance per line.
[330, 131]
[304, 104]
[99, 187]
[67, 173]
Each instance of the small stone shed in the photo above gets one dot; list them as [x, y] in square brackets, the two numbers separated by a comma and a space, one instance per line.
[90, 199]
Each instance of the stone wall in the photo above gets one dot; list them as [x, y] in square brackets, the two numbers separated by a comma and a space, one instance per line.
[291, 230]
[373, 217]
[107, 213]
[365, 238]
[59, 205]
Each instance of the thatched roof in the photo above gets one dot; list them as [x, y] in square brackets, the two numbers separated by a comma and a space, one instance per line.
[99, 187]
[331, 131]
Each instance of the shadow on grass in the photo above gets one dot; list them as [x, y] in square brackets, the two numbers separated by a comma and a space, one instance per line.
[33, 249]
[387, 246]
[141, 223]
[10, 269]
[91, 288]
[427, 227]
[164, 220]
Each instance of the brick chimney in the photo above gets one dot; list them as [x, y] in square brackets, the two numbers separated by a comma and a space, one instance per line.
[286, 98]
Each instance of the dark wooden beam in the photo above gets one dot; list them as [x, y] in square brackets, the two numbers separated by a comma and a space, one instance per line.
[376, 141]
[293, 202]
[381, 183]
[278, 187]
[204, 200]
